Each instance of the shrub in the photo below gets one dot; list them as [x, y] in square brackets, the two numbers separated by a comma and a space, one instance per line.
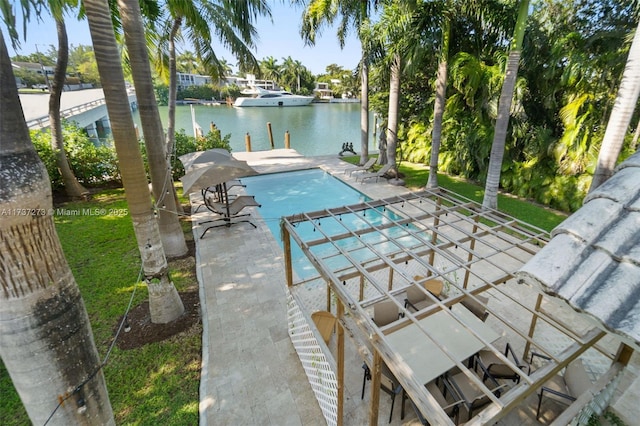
[186, 144]
[90, 164]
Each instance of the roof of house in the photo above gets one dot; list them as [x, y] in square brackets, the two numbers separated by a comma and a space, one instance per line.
[593, 258]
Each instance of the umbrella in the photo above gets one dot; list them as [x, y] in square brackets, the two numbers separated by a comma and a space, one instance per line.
[208, 174]
[202, 157]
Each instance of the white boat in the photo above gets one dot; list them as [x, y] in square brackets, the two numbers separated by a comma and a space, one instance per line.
[271, 98]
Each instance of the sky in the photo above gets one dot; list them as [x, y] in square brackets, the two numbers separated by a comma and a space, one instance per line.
[279, 39]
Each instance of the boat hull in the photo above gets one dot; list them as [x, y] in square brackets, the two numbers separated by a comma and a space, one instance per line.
[284, 101]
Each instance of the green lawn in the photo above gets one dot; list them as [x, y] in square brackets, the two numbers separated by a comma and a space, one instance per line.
[155, 384]
[416, 176]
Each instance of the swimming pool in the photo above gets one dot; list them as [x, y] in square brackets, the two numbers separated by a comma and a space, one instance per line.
[289, 193]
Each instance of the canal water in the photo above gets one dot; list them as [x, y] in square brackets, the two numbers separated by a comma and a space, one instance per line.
[317, 129]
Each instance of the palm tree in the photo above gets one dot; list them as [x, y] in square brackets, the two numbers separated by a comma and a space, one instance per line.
[46, 341]
[291, 71]
[356, 13]
[439, 104]
[72, 187]
[232, 22]
[164, 302]
[187, 62]
[393, 32]
[392, 117]
[171, 232]
[504, 109]
[270, 69]
[620, 116]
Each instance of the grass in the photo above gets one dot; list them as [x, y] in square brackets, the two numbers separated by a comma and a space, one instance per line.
[155, 384]
[416, 176]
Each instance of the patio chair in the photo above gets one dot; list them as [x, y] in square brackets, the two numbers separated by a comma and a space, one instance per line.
[470, 393]
[417, 299]
[229, 211]
[388, 383]
[567, 387]
[216, 192]
[498, 369]
[446, 397]
[385, 312]
[366, 166]
[325, 323]
[380, 173]
[477, 307]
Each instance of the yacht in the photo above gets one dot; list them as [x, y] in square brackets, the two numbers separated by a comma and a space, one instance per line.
[270, 98]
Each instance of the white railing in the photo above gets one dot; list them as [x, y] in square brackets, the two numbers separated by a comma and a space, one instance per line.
[318, 368]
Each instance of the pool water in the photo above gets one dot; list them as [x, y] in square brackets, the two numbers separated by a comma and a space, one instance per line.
[289, 193]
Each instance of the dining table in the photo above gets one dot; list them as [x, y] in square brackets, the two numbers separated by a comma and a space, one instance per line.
[451, 341]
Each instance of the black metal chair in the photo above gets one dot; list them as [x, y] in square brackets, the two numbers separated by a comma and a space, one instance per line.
[388, 383]
[497, 368]
[473, 396]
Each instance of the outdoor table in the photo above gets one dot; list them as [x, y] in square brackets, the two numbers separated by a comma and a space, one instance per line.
[424, 358]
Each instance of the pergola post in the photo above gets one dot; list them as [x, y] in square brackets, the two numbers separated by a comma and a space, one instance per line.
[472, 247]
[623, 356]
[328, 297]
[374, 406]
[286, 242]
[340, 338]
[532, 326]
[434, 235]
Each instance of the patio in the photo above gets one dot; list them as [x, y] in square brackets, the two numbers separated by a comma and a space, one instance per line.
[378, 252]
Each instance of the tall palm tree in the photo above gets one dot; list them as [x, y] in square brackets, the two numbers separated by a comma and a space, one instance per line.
[171, 232]
[187, 62]
[504, 109]
[46, 341]
[441, 96]
[393, 32]
[232, 22]
[270, 68]
[164, 302]
[356, 14]
[290, 73]
[72, 187]
[621, 114]
[393, 115]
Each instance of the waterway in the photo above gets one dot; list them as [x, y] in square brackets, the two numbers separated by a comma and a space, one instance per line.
[317, 129]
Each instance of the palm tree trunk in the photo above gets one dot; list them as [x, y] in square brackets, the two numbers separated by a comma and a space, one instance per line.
[164, 302]
[364, 108]
[46, 341]
[394, 103]
[620, 116]
[173, 87]
[161, 179]
[173, 93]
[504, 110]
[439, 105]
[72, 187]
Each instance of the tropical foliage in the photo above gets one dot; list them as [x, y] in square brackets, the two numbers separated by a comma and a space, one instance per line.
[92, 165]
[572, 60]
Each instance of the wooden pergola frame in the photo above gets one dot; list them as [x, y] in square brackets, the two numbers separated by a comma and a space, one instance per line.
[441, 235]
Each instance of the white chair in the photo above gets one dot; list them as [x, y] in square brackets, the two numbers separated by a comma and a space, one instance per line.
[380, 173]
[366, 166]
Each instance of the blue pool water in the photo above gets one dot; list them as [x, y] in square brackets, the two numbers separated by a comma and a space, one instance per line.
[288, 193]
